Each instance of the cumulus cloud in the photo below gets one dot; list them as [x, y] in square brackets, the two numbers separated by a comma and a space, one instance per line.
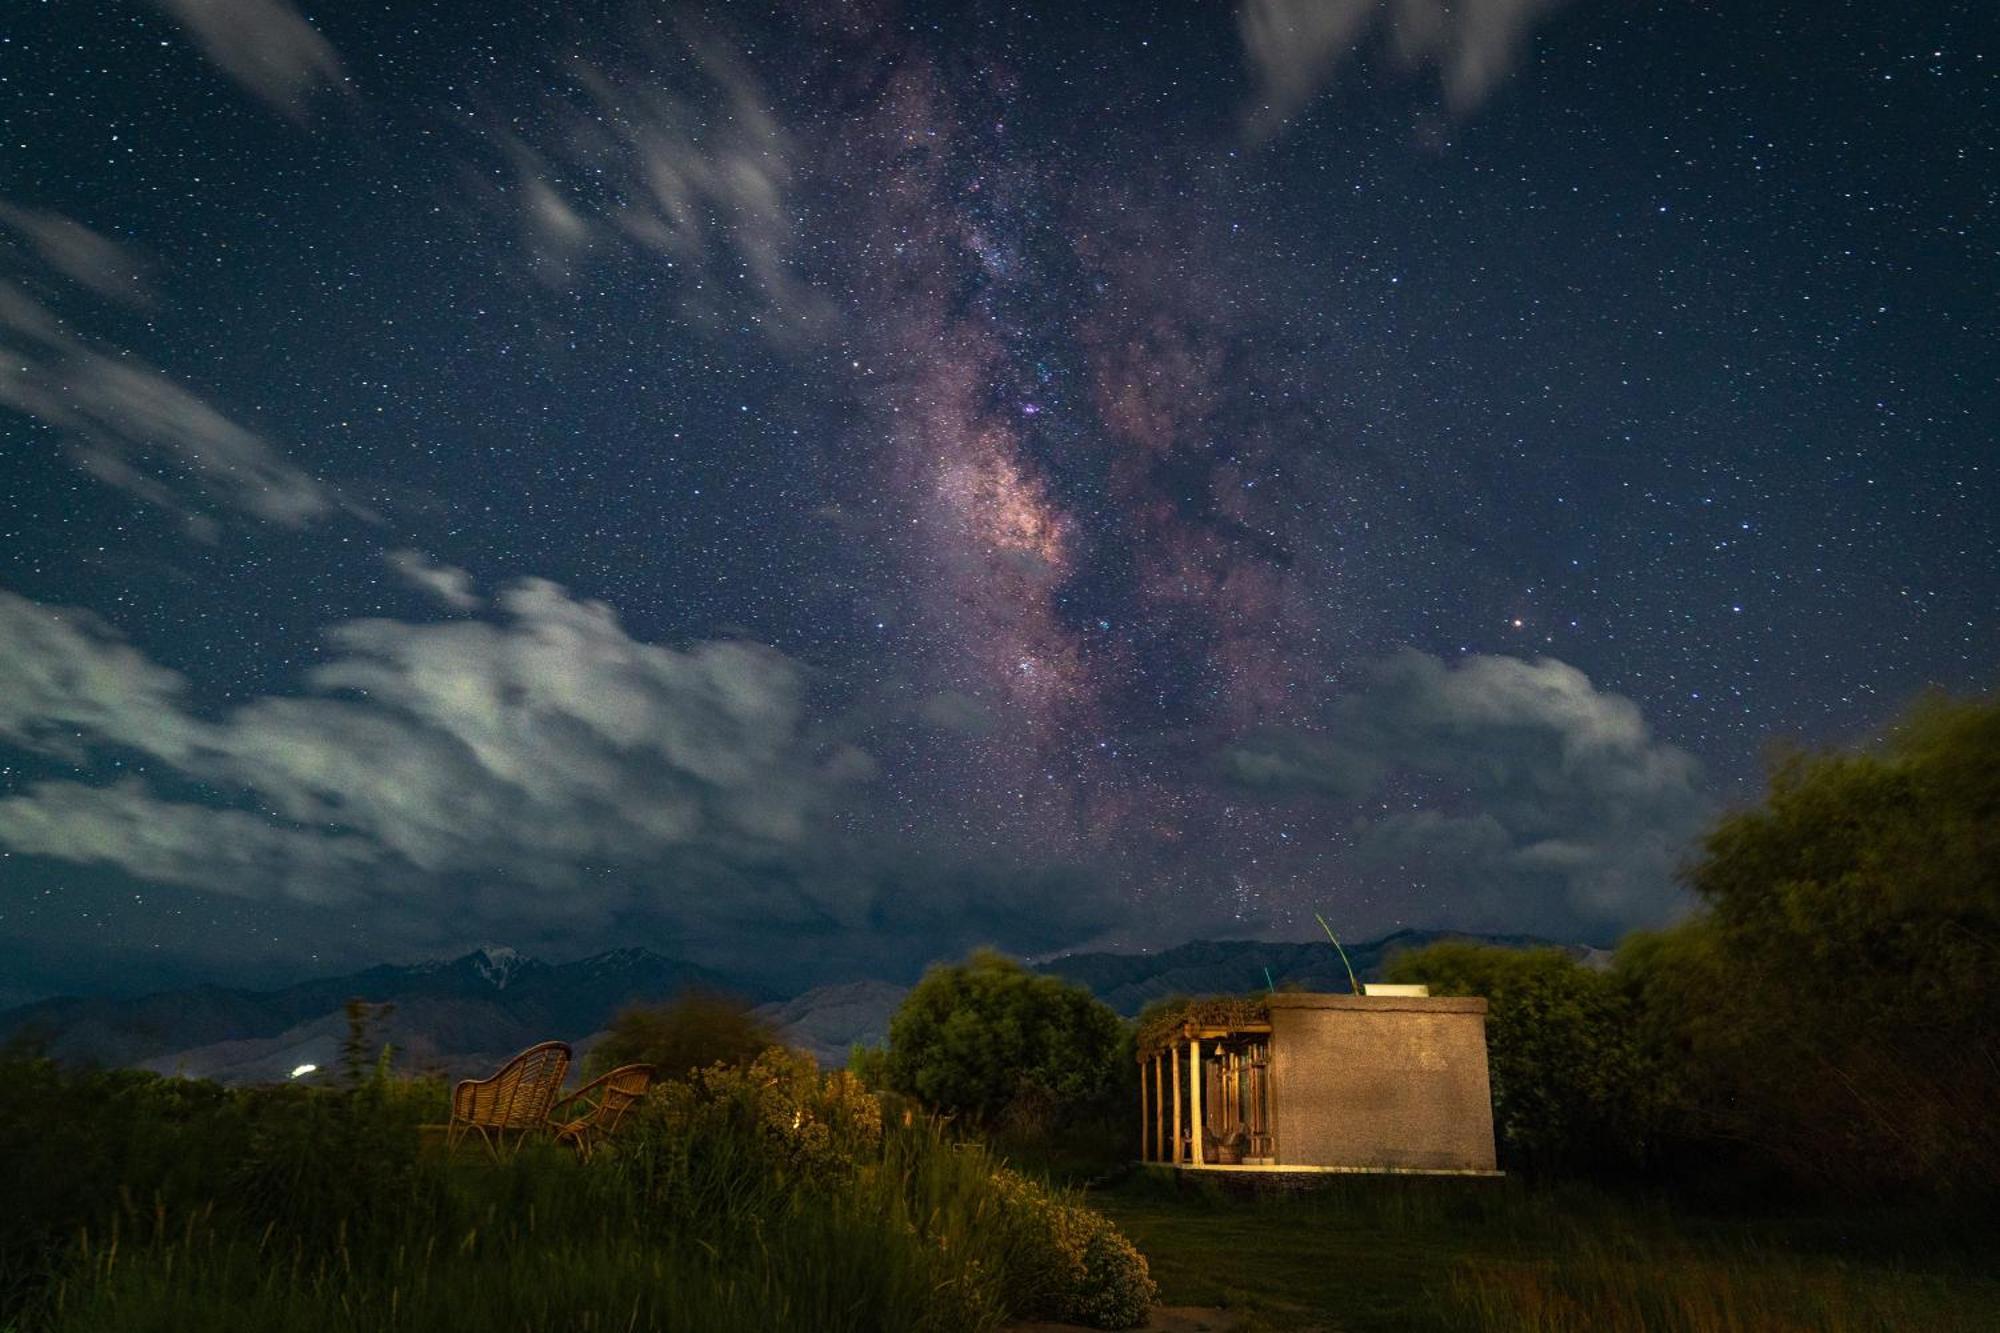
[266, 46]
[127, 423]
[448, 583]
[1295, 46]
[547, 768]
[72, 681]
[1543, 795]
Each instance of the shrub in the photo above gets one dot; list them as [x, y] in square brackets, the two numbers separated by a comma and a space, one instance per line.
[816, 1127]
[988, 1040]
[1072, 1264]
[694, 1031]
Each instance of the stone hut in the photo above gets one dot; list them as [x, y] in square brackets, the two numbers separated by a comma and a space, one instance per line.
[1393, 1080]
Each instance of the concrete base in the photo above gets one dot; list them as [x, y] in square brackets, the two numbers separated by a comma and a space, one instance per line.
[1264, 1182]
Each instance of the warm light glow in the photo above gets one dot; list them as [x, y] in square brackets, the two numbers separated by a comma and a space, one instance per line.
[303, 1070]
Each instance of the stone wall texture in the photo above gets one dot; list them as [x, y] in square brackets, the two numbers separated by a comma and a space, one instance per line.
[1379, 1081]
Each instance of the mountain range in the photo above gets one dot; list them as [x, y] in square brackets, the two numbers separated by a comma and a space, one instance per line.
[467, 1014]
[1128, 982]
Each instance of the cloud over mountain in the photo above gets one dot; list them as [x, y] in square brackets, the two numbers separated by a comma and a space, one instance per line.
[542, 775]
[1534, 788]
[518, 763]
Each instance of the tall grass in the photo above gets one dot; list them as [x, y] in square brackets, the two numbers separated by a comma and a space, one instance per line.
[767, 1199]
[1675, 1289]
[1440, 1256]
[533, 1245]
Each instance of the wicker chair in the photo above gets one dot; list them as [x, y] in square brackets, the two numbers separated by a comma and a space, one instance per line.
[514, 1101]
[588, 1116]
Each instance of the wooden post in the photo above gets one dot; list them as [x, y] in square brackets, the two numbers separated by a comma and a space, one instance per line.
[1174, 1081]
[1194, 1100]
[1159, 1107]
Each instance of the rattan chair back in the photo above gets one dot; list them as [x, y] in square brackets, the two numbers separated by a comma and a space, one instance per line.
[515, 1099]
[591, 1114]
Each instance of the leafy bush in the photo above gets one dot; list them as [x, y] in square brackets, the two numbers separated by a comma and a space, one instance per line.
[816, 1127]
[988, 1040]
[1073, 1265]
[694, 1031]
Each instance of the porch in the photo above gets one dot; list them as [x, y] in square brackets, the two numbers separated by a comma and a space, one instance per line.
[1205, 1096]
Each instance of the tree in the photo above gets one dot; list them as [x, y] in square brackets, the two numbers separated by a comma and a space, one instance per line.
[1838, 1003]
[1574, 1087]
[697, 1029]
[991, 1041]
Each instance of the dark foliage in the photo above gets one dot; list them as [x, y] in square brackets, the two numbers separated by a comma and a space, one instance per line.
[1001, 1046]
[1574, 1086]
[1837, 1007]
[694, 1031]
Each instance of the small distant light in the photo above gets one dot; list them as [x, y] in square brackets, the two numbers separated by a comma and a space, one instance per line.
[303, 1070]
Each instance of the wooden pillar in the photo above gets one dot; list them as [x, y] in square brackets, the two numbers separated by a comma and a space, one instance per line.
[1194, 1100]
[1174, 1080]
[1159, 1107]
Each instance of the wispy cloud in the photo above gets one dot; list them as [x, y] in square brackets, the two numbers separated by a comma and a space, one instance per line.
[80, 254]
[1296, 46]
[679, 156]
[266, 46]
[448, 583]
[126, 422]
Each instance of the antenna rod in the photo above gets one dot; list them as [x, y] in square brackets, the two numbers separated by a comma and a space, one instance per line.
[1353, 986]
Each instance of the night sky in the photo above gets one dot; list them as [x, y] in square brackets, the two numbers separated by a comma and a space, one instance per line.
[811, 490]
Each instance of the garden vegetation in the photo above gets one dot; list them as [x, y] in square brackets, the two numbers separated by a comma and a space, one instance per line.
[764, 1196]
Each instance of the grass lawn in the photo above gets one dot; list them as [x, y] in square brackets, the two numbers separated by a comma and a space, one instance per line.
[1371, 1253]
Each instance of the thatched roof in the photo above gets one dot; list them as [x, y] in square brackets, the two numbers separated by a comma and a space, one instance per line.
[1158, 1030]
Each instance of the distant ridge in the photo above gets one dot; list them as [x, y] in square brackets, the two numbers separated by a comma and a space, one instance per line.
[830, 1020]
[468, 1013]
[1128, 982]
[450, 1013]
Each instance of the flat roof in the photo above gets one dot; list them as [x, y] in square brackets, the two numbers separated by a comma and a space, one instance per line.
[1428, 1004]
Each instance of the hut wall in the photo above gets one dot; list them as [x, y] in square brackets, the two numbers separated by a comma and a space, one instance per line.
[1381, 1082]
